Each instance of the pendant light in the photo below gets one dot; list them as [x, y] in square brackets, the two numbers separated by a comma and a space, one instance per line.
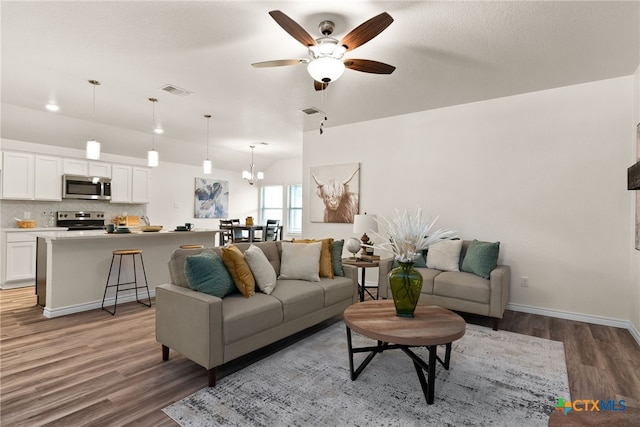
[206, 165]
[152, 156]
[249, 176]
[93, 146]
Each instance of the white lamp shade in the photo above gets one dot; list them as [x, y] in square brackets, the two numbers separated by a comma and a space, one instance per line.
[206, 167]
[152, 158]
[260, 175]
[246, 174]
[93, 150]
[364, 224]
[326, 69]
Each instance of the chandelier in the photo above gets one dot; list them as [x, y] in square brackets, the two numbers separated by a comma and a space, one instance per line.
[249, 175]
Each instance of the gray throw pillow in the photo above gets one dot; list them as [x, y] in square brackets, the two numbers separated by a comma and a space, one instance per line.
[207, 273]
[481, 258]
[336, 257]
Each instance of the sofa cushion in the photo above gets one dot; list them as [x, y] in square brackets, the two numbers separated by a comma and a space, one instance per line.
[428, 274]
[336, 257]
[481, 258]
[298, 297]
[261, 268]
[336, 290]
[239, 269]
[207, 273]
[300, 261]
[445, 255]
[246, 317]
[463, 286]
[326, 265]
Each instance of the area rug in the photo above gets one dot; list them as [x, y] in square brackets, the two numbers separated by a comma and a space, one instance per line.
[496, 378]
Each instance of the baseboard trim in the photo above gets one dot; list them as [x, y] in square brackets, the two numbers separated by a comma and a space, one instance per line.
[578, 317]
[72, 309]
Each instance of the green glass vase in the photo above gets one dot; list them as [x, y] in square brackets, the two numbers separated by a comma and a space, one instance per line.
[406, 284]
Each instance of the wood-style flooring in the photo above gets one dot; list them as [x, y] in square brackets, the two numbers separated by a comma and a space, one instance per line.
[96, 369]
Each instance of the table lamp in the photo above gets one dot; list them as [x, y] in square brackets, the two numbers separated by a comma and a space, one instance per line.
[362, 224]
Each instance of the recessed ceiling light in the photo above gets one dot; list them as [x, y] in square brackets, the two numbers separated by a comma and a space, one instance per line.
[52, 107]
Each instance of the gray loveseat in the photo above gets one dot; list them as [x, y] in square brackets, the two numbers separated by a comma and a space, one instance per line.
[211, 331]
[457, 290]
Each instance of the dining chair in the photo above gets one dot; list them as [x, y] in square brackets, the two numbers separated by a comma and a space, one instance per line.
[238, 234]
[226, 231]
[272, 228]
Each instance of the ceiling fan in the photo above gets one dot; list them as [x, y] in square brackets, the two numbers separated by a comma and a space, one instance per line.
[325, 63]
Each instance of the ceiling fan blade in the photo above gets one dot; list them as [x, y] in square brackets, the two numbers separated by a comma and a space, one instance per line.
[293, 28]
[319, 85]
[369, 66]
[366, 31]
[278, 63]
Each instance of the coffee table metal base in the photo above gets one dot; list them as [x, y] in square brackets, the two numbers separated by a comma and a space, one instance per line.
[419, 364]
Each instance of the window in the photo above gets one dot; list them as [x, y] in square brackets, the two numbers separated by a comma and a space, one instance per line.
[294, 217]
[272, 206]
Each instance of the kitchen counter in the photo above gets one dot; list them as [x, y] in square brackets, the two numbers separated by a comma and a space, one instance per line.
[62, 234]
[72, 266]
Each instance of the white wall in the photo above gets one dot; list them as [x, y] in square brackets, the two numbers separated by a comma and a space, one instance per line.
[544, 173]
[172, 195]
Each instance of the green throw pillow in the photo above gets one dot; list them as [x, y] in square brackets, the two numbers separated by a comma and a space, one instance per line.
[207, 273]
[481, 258]
[336, 257]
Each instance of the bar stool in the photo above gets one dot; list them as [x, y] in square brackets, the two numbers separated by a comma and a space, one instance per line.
[191, 246]
[121, 253]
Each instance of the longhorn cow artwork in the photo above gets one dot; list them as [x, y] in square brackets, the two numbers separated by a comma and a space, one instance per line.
[337, 193]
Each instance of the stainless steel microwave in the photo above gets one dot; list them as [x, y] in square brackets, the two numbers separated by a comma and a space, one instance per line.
[86, 187]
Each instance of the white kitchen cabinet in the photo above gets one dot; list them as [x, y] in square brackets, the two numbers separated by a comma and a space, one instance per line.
[75, 167]
[31, 177]
[100, 169]
[47, 178]
[17, 176]
[140, 185]
[121, 184]
[20, 257]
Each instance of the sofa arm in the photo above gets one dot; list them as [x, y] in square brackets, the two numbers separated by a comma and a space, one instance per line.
[385, 265]
[190, 322]
[351, 272]
[499, 282]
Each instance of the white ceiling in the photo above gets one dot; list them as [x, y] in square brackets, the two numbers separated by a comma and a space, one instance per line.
[446, 53]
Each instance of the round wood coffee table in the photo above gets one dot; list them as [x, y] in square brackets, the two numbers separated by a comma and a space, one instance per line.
[430, 327]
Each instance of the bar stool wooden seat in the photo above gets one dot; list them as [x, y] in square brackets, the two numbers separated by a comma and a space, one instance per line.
[127, 285]
[191, 246]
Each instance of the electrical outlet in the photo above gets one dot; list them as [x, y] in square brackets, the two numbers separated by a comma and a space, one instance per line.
[27, 215]
[524, 281]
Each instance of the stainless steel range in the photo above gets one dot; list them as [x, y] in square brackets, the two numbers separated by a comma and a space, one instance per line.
[81, 220]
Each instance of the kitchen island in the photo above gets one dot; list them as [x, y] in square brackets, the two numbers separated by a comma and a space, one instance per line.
[72, 266]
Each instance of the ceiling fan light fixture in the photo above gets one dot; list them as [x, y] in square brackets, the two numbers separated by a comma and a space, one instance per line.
[325, 69]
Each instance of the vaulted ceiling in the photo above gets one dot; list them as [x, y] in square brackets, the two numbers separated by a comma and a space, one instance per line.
[446, 53]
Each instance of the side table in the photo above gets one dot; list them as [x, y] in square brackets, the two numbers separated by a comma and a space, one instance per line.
[363, 264]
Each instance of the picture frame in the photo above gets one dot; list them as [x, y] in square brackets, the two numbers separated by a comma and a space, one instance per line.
[211, 198]
[335, 193]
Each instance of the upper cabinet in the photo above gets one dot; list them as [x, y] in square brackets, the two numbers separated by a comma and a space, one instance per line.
[129, 184]
[86, 168]
[31, 177]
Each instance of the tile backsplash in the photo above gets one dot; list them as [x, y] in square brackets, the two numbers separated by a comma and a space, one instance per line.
[40, 211]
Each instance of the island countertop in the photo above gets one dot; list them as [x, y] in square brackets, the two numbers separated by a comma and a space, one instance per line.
[101, 234]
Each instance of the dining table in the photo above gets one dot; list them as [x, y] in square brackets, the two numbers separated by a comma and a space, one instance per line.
[238, 229]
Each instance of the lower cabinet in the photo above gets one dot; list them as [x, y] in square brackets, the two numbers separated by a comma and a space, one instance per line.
[20, 257]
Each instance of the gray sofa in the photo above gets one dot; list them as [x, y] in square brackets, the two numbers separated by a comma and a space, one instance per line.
[457, 290]
[211, 331]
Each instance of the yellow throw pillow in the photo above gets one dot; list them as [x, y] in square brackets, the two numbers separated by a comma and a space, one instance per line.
[234, 261]
[326, 265]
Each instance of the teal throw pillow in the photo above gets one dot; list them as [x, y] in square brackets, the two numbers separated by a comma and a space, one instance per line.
[481, 258]
[207, 273]
[336, 257]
